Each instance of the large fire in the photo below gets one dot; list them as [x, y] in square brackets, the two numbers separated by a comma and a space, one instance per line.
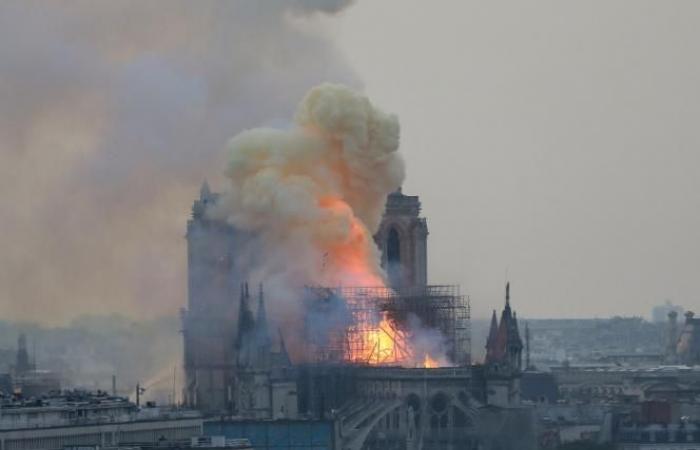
[378, 344]
[314, 194]
[385, 344]
[430, 363]
[375, 342]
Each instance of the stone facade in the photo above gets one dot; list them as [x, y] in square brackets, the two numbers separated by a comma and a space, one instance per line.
[503, 363]
[215, 273]
[688, 349]
[233, 368]
[211, 309]
[402, 239]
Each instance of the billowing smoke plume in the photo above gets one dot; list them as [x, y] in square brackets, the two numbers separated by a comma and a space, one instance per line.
[315, 193]
[111, 115]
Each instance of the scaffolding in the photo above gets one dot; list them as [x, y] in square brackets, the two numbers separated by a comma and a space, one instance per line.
[374, 325]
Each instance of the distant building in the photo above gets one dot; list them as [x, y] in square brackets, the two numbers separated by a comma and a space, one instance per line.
[80, 419]
[22, 363]
[656, 425]
[36, 383]
[671, 353]
[278, 434]
[626, 341]
[677, 436]
[539, 387]
[688, 349]
[28, 380]
[659, 313]
[5, 384]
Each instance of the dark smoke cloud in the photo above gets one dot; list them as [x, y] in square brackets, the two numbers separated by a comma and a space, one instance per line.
[111, 114]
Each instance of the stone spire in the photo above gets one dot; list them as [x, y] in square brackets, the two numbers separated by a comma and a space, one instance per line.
[504, 343]
[22, 364]
[284, 359]
[527, 346]
[246, 326]
[262, 331]
[493, 334]
[507, 308]
[671, 356]
[204, 191]
[506, 314]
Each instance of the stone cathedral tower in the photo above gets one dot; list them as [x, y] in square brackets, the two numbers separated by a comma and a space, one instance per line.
[403, 241]
[213, 281]
[218, 262]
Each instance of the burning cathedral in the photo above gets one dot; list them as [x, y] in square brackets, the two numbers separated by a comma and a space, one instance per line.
[308, 295]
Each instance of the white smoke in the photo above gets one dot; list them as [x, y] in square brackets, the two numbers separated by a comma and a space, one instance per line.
[315, 193]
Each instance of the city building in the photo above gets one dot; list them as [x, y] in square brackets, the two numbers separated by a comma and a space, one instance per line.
[238, 369]
[27, 379]
[659, 313]
[82, 419]
[688, 349]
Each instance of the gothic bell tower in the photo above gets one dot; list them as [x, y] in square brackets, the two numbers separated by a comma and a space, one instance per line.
[403, 241]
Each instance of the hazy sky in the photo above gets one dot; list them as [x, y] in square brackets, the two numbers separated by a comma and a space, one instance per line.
[557, 141]
[111, 116]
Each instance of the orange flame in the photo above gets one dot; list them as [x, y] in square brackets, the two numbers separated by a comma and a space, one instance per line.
[430, 363]
[379, 344]
[352, 260]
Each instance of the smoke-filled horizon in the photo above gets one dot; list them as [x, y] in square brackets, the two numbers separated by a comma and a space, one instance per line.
[551, 142]
[111, 116]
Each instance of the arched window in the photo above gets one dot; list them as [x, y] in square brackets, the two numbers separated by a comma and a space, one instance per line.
[393, 247]
[393, 257]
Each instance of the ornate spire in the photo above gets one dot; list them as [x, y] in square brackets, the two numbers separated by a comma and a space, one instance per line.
[527, 346]
[262, 315]
[516, 331]
[262, 332]
[246, 322]
[204, 191]
[493, 330]
[22, 364]
[493, 337]
[504, 342]
[284, 359]
[506, 315]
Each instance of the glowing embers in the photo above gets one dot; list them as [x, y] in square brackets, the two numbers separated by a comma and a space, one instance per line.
[377, 342]
[378, 326]
[350, 327]
[430, 363]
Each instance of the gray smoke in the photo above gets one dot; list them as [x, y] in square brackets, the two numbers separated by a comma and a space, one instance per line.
[111, 114]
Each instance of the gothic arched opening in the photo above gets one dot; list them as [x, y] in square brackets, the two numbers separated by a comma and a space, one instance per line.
[393, 247]
[393, 256]
[439, 406]
[414, 404]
